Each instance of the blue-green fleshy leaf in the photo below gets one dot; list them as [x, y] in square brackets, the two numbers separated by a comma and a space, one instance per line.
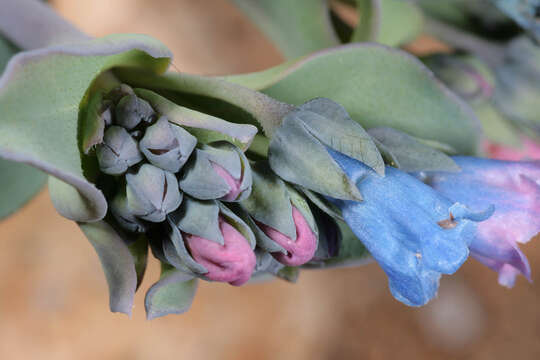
[41, 92]
[118, 264]
[378, 86]
[18, 184]
[172, 294]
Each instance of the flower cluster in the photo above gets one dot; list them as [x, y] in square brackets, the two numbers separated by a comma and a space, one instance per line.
[225, 180]
[166, 184]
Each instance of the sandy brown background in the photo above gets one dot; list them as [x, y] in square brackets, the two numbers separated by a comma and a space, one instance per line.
[53, 295]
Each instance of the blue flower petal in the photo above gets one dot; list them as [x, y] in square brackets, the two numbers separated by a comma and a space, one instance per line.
[408, 227]
[512, 187]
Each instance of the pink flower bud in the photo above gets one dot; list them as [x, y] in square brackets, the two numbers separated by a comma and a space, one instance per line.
[234, 184]
[530, 150]
[232, 262]
[300, 251]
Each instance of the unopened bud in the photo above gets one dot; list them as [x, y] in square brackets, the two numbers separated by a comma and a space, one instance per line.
[217, 171]
[131, 110]
[166, 145]
[124, 217]
[280, 218]
[233, 262]
[107, 112]
[118, 151]
[152, 193]
[298, 252]
[216, 244]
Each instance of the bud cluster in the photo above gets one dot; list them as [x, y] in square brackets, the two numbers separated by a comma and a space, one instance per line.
[171, 187]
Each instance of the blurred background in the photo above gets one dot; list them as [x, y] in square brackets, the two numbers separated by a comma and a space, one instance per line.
[54, 299]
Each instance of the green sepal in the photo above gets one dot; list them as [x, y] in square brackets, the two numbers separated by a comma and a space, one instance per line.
[200, 180]
[205, 127]
[172, 294]
[237, 222]
[199, 218]
[299, 154]
[321, 203]
[268, 268]
[269, 203]
[300, 203]
[176, 253]
[409, 155]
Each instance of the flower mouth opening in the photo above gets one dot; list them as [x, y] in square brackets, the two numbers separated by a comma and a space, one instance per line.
[449, 223]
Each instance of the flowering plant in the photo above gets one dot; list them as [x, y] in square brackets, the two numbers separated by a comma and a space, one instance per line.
[344, 154]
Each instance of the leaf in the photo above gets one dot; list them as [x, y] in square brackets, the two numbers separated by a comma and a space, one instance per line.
[172, 294]
[18, 184]
[40, 95]
[205, 127]
[378, 86]
[409, 155]
[296, 27]
[117, 262]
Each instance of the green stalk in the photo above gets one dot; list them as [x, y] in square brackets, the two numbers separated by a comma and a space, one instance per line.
[259, 146]
[489, 52]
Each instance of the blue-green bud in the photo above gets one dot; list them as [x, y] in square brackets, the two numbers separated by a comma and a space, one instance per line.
[131, 110]
[218, 170]
[152, 193]
[125, 218]
[118, 151]
[270, 206]
[166, 145]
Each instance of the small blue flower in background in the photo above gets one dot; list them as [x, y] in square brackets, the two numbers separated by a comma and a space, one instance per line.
[412, 231]
[513, 187]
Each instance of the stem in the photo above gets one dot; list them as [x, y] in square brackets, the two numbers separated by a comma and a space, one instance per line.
[266, 110]
[259, 146]
[489, 52]
[32, 24]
